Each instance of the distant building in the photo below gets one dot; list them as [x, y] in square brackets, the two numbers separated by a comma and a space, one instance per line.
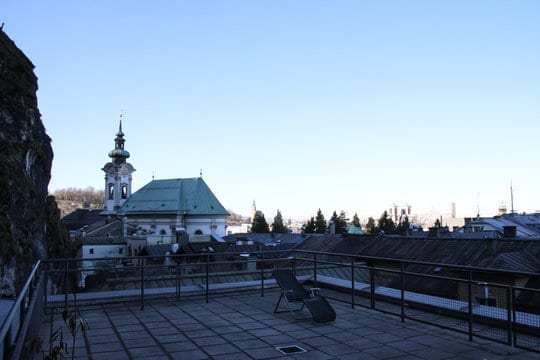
[238, 229]
[506, 225]
[399, 212]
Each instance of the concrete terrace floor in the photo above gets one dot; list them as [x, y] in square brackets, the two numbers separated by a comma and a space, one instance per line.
[242, 325]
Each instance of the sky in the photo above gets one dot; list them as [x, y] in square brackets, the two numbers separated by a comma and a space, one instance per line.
[296, 105]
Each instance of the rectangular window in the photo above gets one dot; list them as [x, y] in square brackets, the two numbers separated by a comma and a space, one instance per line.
[120, 251]
[91, 251]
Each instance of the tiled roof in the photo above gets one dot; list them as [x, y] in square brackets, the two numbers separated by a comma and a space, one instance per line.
[157, 250]
[81, 217]
[527, 225]
[174, 196]
[203, 247]
[266, 238]
[320, 242]
[104, 228]
[504, 254]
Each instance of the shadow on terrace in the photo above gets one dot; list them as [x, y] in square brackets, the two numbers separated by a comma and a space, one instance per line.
[62, 300]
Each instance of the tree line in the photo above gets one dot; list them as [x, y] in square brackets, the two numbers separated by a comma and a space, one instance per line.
[87, 195]
[338, 224]
[387, 225]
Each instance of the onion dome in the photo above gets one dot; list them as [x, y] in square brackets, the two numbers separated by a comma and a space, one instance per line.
[118, 154]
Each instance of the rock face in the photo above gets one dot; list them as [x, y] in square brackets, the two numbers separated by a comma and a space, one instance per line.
[25, 165]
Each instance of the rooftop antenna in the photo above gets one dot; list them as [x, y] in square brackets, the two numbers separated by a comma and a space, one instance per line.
[511, 198]
[478, 205]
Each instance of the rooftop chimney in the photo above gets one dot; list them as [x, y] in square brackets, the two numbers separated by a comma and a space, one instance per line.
[510, 231]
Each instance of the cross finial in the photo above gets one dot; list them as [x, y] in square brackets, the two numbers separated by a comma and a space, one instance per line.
[200, 173]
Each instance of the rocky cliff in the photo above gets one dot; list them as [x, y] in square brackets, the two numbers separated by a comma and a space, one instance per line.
[25, 164]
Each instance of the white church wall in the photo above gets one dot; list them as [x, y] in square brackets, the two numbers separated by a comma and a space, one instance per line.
[206, 225]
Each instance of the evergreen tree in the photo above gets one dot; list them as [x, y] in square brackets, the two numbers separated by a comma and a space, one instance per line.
[342, 223]
[320, 223]
[386, 224]
[371, 227]
[278, 227]
[339, 222]
[259, 224]
[309, 227]
[356, 221]
[403, 226]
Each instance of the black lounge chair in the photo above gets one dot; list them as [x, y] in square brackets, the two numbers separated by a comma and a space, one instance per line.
[293, 292]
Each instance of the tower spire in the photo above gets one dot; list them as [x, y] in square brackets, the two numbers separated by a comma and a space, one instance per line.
[118, 154]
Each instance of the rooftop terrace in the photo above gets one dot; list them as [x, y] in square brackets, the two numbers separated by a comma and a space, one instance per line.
[243, 326]
[220, 307]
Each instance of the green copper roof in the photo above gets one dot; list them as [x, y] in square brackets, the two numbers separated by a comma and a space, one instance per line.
[174, 196]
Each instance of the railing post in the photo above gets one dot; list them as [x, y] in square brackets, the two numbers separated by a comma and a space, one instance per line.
[45, 282]
[293, 264]
[178, 283]
[142, 282]
[372, 286]
[315, 269]
[352, 283]
[469, 290]
[66, 285]
[262, 272]
[207, 278]
[513, 296]
[402, 286]
[509, 307]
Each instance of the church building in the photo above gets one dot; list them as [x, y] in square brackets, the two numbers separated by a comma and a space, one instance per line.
[163, 210]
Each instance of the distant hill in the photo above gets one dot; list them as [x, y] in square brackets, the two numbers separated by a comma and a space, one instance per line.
[70, 199]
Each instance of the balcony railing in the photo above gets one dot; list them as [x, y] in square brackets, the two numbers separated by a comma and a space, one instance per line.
[483, 303]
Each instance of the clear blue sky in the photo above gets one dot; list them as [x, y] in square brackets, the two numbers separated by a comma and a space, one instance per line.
[298, 105]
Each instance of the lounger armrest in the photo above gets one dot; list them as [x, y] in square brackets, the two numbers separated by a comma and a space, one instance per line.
[313, 291]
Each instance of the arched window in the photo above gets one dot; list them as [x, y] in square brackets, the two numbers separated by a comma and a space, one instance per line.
[111, 191]
[198, 232]
[162, 232]
[124, 191]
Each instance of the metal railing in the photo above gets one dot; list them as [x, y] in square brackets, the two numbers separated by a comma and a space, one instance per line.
[445, 295]
[24, 318]
[484, 303]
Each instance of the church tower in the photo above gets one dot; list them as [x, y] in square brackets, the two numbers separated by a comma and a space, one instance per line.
[118, 175]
